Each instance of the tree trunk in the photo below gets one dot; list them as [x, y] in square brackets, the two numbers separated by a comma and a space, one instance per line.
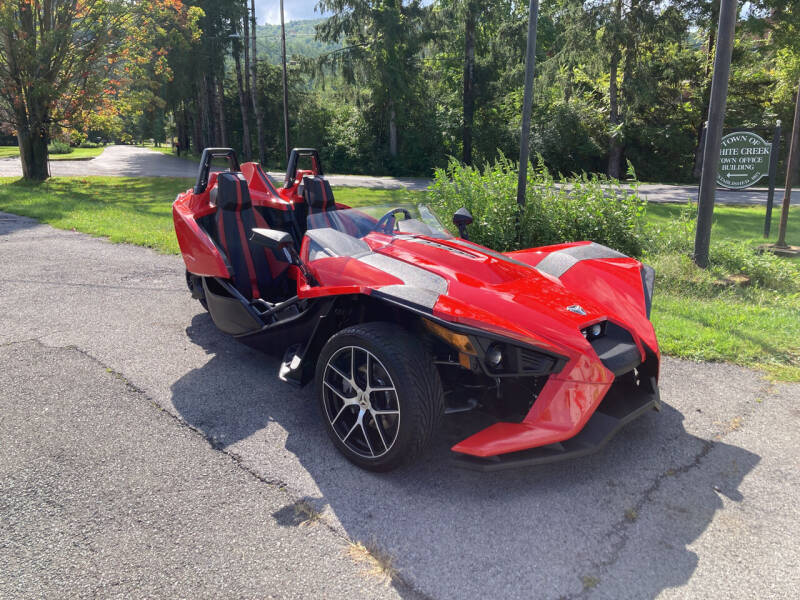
[469, 83]
[614, 148]
[392, 131]
[223, 130]
[246, 30]
[246, 152]
[33, 151]
[205, 115]
[254, 85]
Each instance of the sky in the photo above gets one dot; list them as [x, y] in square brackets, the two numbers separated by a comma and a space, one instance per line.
[293, 10]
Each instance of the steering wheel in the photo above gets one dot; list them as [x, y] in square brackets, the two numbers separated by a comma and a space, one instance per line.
[387, 222]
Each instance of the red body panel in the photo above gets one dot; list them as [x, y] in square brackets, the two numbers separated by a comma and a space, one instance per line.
[490, 293]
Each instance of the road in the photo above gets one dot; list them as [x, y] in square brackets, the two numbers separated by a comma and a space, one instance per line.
[133, 161]
[144, 453]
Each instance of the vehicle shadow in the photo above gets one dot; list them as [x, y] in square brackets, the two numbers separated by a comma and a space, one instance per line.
[616, 524]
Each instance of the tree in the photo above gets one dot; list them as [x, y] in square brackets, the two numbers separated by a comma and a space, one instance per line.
[60, 59]
[383, 40]
[51, 65]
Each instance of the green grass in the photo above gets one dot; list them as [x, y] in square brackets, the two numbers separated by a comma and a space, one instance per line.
[700, 316]
[124, 209]
[695, 316]
[762, 330]
[76, 154]
[745, 223]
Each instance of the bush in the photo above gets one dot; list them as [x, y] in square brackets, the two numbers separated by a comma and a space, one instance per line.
[763, 269]
[573, 209]
[59, 147]
[76, 138]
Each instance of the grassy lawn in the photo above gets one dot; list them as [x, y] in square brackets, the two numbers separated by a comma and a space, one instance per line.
[744, 223]
[695, 316]
[133, 210]
[76, 154]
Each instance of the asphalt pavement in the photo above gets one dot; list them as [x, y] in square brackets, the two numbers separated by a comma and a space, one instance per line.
[146, 454]
[134, 161]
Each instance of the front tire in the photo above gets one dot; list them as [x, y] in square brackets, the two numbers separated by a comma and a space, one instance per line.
[380, 395]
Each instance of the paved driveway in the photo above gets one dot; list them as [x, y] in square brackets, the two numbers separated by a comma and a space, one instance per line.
[145, 453]
[132, 161]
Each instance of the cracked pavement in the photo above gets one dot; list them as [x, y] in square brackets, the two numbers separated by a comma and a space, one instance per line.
[102, 493]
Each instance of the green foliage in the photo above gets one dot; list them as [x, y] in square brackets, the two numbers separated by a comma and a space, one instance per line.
[301, 41]
[584, 207]
[59, 147]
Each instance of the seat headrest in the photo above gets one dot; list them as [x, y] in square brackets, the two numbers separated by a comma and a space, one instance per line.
[232, 192]
[318, 193]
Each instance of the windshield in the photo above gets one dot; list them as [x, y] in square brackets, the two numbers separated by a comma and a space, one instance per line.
[404, 219]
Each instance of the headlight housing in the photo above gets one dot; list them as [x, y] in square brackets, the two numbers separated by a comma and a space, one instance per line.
[648, 283]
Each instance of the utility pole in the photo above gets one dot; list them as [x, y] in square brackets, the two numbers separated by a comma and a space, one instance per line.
[527, 101]
[716, 117]
[791, 167]
[285, 90]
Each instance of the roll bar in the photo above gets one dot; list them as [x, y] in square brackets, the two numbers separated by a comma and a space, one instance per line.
[210, 154]
[294, 157]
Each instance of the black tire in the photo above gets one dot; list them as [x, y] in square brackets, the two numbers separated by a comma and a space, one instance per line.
[417, 394]
[193, 281]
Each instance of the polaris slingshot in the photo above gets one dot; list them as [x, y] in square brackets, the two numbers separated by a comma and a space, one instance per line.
[399, 323]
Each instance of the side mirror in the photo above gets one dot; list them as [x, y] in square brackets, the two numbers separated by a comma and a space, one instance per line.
[271, 238]
[461, 219]
[280, 240]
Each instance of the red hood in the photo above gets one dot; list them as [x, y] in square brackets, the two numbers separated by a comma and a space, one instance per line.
[494, 291]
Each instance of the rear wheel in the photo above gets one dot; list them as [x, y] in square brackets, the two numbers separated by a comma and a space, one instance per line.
[380, 395]
[195, 285]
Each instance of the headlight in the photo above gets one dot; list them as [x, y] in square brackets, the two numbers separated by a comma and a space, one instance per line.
[594, 331]
[494, 356]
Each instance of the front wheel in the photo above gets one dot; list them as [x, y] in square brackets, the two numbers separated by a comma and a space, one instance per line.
[380, 395]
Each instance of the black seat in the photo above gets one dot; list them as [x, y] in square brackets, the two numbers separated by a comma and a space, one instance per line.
[257, 271]
[318, 194]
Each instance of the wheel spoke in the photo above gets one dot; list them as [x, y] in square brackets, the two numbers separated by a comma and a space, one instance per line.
[366, 437]
[344, 398]
[340, 374]
[339, 414]
[380, 433]
[385, 412]
[381, 389]
[352, 429]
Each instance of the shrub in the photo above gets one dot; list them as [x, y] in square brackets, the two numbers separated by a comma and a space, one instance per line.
[76, 138]
[572, 209]
[763, 269]
[59, 147]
